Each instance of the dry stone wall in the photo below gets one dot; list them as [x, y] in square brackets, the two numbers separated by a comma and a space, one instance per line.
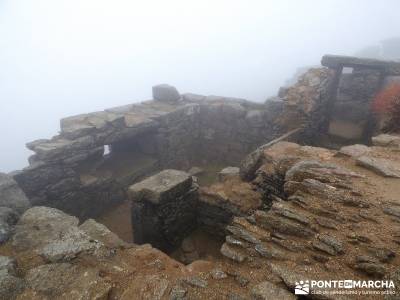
[72, 172]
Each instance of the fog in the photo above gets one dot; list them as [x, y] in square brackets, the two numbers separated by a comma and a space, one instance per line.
[60, 58]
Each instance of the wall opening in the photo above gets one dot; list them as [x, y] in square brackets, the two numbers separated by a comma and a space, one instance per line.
[348, 70]
[107, 151]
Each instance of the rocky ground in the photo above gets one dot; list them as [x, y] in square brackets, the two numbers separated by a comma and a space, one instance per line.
[302, 213]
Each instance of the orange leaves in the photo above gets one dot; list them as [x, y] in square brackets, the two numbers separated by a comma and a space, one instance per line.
[387, 102]
[386, 99]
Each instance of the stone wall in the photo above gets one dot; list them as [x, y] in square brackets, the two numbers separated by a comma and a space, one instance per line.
[305, 103]
[71, 171]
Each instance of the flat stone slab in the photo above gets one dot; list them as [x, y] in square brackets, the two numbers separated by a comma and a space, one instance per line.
[354, 150]
[160, 187]
[335, 61]
[386, 140]
[379, 166]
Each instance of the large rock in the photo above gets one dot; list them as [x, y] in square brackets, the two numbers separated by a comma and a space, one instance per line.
[101, 233]
[380, 166]
[165, 92]
[387, 140]
[11, 195]
[65, 281]
[53, 235]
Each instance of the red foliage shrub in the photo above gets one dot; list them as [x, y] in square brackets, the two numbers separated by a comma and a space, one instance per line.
[387, 102]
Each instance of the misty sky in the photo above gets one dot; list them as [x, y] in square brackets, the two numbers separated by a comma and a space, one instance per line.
[59, 58]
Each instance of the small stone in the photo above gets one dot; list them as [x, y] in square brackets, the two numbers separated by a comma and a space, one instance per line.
[323, 247]
[320, 258]
[232, 253]
[332, 242]
[270, 252]
[233, 296]
[372, 269]
[327, 223]
[269, 291]
[218, 274]
[365, 259]
[392, 211]
[243, 234]
[233, 241]
[158, 264]
[354, 150]
[178, 293]
[195, 282]
[382, 254]
[243, 281]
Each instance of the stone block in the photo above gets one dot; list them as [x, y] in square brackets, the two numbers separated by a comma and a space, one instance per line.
[163, 209]
[163, 186]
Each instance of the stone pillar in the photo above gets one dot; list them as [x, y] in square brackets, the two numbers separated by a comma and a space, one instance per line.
[163, 209]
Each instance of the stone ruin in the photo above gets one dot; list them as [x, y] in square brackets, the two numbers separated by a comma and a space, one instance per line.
[282, 209]
[72, 172]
